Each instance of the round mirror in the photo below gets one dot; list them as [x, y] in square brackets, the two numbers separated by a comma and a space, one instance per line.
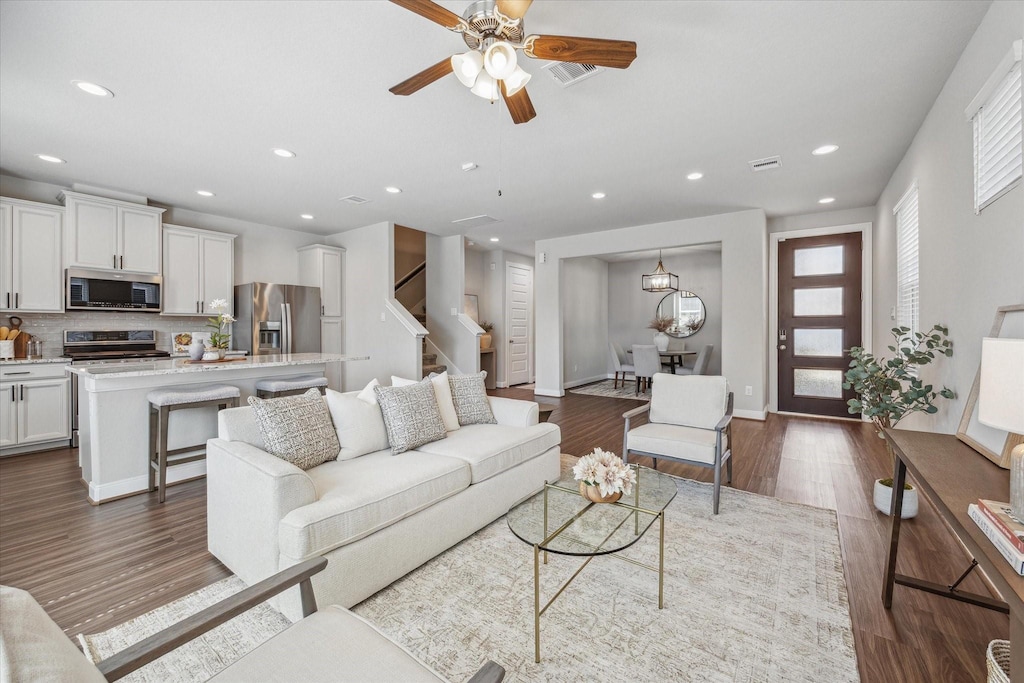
[686, 310]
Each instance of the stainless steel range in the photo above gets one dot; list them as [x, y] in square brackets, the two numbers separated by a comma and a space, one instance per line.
[103, 347]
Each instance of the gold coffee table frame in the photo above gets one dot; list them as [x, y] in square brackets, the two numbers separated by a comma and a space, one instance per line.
[654, 506]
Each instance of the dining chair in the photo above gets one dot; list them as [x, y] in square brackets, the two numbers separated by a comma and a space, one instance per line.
[619, 363]
[646, 364]
[677, 345]
[700, 366]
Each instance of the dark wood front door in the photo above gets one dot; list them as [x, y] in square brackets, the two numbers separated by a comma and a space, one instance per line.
[819, 320]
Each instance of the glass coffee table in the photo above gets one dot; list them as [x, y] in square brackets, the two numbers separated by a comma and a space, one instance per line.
[559, 520]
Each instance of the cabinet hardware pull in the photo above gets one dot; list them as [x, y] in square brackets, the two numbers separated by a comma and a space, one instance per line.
[8, 299]
[197, 307]
[16, 297]
[11, 374]
[115, 261]
[202, 306]
[12, 393]
[22, 392]
[122, 262]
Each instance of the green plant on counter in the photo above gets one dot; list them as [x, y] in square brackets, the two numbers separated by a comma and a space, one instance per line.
[219, 338]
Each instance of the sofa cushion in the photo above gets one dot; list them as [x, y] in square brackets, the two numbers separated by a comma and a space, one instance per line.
[367, 393]
[297, 428]
[492, 449]
[410, 415]
[357, 497]
[470, 398]
[685, 443]
[442, 394]
[331, 644]
[359, 425]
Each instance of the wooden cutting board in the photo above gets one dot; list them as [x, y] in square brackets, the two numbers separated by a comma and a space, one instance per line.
[21, 342]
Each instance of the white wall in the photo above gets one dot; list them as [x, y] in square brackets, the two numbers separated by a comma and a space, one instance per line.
[743, 235]
[630, 308]
[454, 335]
[585, 320]
[822, 219]
[475, 281]
[969, 264]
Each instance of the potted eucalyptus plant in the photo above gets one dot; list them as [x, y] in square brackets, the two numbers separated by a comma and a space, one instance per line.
[890, 389]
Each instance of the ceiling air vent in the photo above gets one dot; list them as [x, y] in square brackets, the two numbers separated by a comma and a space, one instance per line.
[570, 73]
[475, 221]
[766, 164]
[353, 199]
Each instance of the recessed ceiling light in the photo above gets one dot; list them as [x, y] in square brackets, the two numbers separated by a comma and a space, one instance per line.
[393, 190]
[494, 239]
[93, 89]
[471, 243]
[825, 149]
[696, 175]
[598, 195]
[826, 200]
[307, 216]
[51, 159]
[469, 166]
[204, 193]
[286, 153]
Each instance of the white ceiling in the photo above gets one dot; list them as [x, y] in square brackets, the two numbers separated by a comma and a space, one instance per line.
[204, 90]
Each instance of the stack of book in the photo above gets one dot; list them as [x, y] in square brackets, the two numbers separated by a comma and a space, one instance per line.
[1004, 530]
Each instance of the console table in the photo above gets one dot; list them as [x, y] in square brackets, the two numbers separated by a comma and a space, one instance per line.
[953, 475]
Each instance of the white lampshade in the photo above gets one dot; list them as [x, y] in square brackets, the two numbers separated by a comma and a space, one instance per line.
[486, 87]
[500, 60]
[1001, 394]
[517, 81]
[467, 67]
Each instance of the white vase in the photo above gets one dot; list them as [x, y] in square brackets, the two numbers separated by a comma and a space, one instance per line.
[661, 341]
[196, 349]
[883, 500]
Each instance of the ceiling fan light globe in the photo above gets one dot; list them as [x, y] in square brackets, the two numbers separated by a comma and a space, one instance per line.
[500, 60]
[486, 87]
[517, 81]
[467, 67]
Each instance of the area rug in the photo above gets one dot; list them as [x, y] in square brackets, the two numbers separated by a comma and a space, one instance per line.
[756, 593]
[607, 388]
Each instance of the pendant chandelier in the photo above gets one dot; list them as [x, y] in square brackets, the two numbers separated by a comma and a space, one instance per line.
[660, 280]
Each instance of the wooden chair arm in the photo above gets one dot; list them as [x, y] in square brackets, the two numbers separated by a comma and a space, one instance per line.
[637, 411]
[488, 673]
[727, 418]
[145, 651]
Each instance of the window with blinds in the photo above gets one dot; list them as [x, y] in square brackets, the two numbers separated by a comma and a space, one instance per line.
[996, 115]
[908, 291]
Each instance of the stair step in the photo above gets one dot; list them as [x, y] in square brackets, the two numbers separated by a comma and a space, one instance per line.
[429, 358]
[427, 369]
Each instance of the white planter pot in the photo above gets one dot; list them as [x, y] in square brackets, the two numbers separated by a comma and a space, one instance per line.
[661, 341]
[883, 500]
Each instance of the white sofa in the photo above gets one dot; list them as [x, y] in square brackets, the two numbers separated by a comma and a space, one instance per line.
[375, 517]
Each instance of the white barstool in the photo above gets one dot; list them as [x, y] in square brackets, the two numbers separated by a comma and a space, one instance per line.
[290, 386]
[161, 403]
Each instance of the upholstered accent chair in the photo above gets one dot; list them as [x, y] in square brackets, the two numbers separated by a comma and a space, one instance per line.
[690, 421]
[619, 363]
[646, 363]
[331, 644]
[700, 366]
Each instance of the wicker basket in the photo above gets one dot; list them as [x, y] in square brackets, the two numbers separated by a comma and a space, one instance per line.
[997, 657]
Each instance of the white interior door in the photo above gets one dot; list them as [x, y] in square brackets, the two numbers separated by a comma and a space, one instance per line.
[518, 323]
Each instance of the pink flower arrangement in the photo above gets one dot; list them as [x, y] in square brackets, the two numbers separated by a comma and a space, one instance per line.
[606, 471]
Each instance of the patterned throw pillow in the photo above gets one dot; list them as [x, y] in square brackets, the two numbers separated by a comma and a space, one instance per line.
[470, 398]
[410, 415]
[297, 428]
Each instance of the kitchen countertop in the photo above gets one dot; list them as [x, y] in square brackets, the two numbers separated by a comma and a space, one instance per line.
[180, 366]
[25, 361]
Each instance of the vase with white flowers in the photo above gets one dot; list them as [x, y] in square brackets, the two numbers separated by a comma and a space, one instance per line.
[220, 338]
[603, 476]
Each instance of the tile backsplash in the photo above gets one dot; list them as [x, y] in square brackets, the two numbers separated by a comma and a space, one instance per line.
[49, 327]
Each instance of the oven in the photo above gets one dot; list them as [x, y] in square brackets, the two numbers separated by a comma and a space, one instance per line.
[106, 347]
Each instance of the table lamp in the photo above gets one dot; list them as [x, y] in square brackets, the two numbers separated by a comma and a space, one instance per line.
[1001, 403]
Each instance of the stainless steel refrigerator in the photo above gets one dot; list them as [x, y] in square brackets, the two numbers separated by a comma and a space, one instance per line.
[275, 319]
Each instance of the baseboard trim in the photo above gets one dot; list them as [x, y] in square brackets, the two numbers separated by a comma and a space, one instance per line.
[852, 418]
[761, 415]
[581, 382]
[102, 493]
[554, 393]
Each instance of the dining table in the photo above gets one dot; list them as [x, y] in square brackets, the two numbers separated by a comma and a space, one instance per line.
[670, 357]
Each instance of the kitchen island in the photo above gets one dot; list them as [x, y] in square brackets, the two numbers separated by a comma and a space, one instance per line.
[114, 413]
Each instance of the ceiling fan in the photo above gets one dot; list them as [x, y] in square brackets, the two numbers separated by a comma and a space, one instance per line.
[493, 31]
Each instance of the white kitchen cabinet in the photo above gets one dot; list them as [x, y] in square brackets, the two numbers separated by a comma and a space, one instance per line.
[320, 266]
[35, 406]
[331, 342]
[31, 277]
[110, 234]
[199, 266]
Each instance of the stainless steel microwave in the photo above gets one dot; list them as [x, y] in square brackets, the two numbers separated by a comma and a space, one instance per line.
[98, 290]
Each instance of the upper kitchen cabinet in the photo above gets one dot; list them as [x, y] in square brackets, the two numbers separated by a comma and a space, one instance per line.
[199, 266]
[31, 278]
[320, 266]
[110, 234]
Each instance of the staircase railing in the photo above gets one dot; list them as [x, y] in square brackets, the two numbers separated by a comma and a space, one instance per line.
[410, 276]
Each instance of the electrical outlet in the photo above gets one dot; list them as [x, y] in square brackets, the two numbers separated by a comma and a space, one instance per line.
[492, 266]
[455, 311]
[749, 391]
[575, 368]
[892, 313]
[383, 316]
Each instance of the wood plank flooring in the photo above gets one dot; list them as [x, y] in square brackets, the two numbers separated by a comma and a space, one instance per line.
[95, 567]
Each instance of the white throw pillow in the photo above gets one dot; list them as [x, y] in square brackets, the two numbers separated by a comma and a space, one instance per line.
[360, 425]
[367, 394]
[442, 394]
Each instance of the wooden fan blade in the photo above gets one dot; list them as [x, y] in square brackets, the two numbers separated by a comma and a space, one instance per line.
[519, 105]
[432, 11]
[424, 78]
[514, 9]
[616, 54]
